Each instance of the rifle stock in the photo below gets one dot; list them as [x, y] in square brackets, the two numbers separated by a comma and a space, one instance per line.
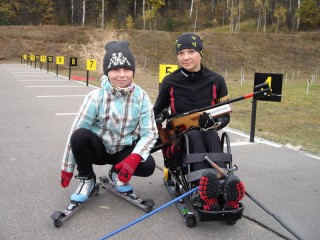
[192, 120]
[169, 134]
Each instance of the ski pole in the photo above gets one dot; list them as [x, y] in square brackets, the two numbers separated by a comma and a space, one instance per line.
[221, 171]
[274, 216]
[149, 214]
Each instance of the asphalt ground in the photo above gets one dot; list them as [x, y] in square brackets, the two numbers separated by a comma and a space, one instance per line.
[37, 110]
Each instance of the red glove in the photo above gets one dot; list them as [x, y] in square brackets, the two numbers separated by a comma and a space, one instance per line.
[65, 178]
[127, 167]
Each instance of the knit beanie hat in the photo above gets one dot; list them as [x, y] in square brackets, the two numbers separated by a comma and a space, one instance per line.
[189, 41]
[118, 55]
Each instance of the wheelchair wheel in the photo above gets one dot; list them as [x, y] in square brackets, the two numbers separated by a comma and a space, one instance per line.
[231, 222]
[190, 221]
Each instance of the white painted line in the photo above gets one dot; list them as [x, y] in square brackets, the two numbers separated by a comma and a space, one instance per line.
[28, 75]
[49, 80]
[58, 86]
[237, 132]
[65, 114]
[21, 72]
[310, 155]
[270, 143]
[239, 144]
[53, 96]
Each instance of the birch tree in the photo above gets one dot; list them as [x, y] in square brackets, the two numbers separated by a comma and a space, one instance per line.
[151, 12]
[240, 11]
[298, 15]
[191, 8]
[280, 14]
[144, 14]
[262, 6]
[233, 14]
[236, 9]
[72, 11]
[83, 12]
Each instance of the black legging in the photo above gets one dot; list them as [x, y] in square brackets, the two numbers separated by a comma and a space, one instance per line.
[88, 149]
[203, 142]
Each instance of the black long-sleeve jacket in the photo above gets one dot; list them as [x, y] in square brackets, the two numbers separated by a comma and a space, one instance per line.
[184, 91]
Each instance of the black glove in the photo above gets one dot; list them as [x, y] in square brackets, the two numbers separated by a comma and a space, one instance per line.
[160, 118]
[205, 121]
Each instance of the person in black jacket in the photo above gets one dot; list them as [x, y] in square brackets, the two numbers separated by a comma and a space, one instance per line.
[193, 86]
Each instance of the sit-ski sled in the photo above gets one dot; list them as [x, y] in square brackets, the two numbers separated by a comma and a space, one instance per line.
[180, 180]
[59, 217]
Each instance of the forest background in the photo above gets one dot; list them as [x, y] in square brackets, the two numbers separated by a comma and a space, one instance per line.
[240, 38]
[166, 15]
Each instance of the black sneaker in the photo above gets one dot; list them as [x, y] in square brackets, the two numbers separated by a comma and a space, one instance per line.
[233, 192]
[209, 190]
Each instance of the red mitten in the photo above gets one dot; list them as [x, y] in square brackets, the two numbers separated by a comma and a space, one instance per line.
[127, 167]
[65, 178]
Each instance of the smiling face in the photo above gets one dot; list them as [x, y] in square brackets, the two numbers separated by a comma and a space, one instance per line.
[190, 60]
[120, 77]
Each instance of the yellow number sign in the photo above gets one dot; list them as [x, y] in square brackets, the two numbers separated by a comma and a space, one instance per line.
[166, 69]
[91, 64]
[60, 60]
[32, 57]
[43, 58]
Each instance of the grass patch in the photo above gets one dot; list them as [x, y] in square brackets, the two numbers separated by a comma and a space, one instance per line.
[295, 120]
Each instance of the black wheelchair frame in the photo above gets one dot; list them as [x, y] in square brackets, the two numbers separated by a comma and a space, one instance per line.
[180, 180]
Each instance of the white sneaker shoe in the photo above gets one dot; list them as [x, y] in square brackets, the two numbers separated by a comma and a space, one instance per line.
[83, 191]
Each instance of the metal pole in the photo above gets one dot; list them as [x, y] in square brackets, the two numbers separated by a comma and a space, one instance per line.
[253, 119]
[87, 77]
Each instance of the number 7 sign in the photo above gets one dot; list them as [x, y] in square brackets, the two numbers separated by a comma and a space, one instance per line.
[91, 64]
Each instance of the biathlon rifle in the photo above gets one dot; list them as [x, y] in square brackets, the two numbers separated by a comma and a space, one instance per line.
[190, 119]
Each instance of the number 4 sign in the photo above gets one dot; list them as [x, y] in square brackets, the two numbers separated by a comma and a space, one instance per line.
[274, 81]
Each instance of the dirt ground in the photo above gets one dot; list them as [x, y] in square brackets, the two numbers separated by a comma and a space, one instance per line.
[230, 51]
